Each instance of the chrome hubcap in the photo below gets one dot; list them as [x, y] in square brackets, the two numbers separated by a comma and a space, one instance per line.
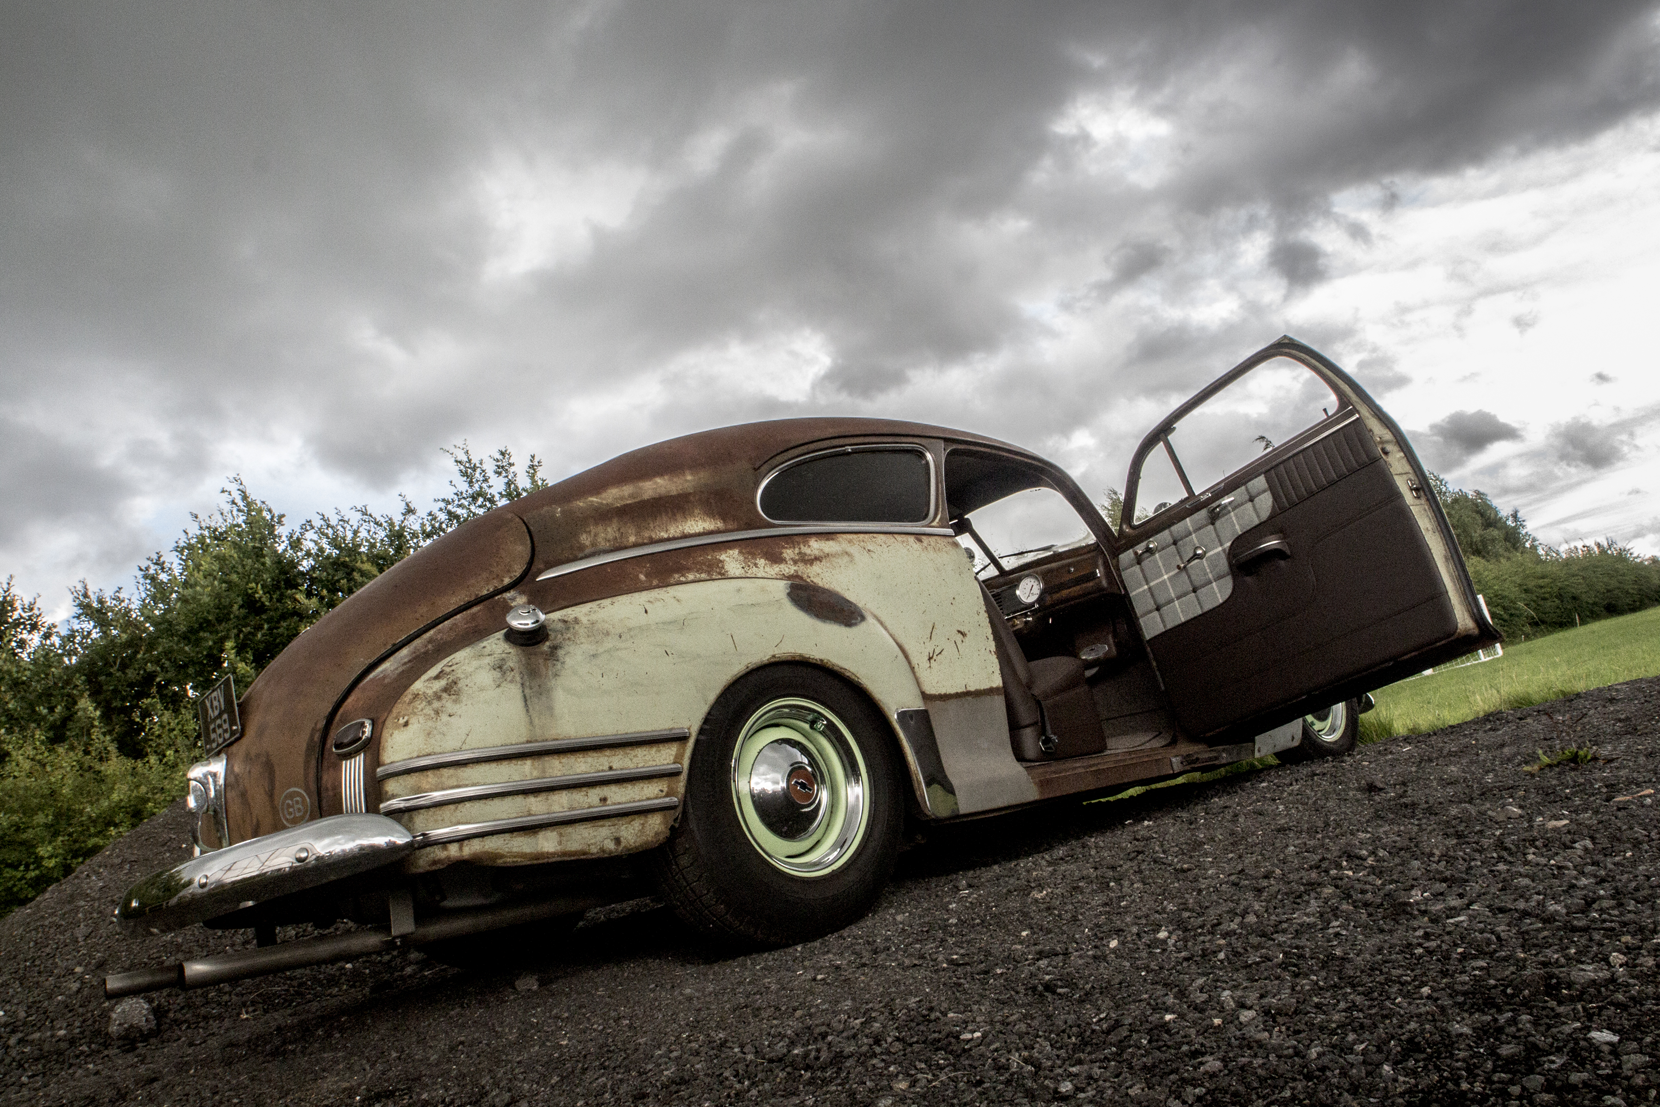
[798, 786]
[783, 787]
[1328, 725]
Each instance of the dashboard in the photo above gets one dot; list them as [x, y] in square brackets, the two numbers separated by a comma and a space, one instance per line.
[1054, 584]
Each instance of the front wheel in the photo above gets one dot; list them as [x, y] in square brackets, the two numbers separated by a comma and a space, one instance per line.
[1330, 732]
[792, 814]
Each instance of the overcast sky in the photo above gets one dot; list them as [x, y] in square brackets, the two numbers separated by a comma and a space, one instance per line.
[312, 244]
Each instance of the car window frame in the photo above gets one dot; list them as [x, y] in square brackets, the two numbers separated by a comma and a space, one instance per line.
[1129, 531]
[1057, 480]
[935, 495]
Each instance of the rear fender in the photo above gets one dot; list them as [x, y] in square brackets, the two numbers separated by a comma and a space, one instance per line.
[635, 674]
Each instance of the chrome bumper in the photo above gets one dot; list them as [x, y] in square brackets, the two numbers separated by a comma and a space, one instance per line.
[251, 872]
[206, 801]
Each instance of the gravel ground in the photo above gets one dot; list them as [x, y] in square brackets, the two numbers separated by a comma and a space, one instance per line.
[1423, 922]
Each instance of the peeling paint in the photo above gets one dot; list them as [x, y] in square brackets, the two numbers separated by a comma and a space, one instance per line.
[649, 661]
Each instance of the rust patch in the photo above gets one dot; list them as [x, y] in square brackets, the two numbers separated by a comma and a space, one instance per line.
[824, 605]
[968, 694]
[1110, 769]
[286, 711]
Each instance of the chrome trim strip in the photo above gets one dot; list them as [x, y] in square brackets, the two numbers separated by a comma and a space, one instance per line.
[864, 447]
[740, 536]
[527, 749]
[1216, 755]
[353, 797]
[464, 831]
[444, 796]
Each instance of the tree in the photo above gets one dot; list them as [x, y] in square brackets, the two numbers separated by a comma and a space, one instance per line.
[97, 720]
[1532, 588]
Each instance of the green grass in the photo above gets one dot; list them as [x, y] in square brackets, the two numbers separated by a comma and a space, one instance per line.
[1537, 671]
[1574, 756]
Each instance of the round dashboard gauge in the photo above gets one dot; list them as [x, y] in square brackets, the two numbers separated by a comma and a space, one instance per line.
[1029, 588]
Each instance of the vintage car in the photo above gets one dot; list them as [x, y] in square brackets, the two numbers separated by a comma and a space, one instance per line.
[738, 664]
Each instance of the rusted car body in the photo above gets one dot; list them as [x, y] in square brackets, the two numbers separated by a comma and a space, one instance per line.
[737, 662]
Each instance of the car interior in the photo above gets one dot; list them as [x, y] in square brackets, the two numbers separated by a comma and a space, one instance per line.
[1076, 681]
[1299, 573]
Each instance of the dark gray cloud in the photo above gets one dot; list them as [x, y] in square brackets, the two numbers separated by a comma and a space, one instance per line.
[1299, 261]
[1581, 443]
[38, 464]
[1380, 372]
[1548, 476]
[1460, 436]
[358, 233]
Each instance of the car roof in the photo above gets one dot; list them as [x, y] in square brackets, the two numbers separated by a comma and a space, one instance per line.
[702, 483]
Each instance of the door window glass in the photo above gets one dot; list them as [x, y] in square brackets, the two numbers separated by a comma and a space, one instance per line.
[1271, 404]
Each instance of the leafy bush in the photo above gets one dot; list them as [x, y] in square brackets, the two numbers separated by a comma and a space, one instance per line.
[1542, 590]
[97, 722]
[1532, 589]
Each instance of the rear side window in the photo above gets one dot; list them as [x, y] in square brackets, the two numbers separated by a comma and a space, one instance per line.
[857, 485]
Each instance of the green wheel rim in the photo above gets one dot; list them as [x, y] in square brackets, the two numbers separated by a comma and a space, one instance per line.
[1328, 726]
[798, 784]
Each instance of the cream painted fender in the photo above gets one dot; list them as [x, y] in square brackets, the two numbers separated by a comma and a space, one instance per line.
[923, 591]
[651, 662]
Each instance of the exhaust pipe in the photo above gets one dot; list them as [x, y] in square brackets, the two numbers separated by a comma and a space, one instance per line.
[243, 964]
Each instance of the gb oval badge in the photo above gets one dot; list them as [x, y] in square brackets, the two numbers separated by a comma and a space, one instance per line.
[295, 807]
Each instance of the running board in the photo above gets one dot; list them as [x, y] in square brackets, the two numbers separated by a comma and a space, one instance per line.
[1107, 770]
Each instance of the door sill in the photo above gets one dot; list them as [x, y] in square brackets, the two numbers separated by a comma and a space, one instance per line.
[1103, 770]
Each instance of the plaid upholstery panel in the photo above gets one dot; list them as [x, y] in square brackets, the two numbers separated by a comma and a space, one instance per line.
[1167, 586]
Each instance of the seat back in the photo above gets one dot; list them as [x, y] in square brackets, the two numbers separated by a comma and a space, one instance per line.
[1022, 706]
[1050, 707]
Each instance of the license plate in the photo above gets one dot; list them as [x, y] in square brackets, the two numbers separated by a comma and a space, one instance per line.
[221, 725]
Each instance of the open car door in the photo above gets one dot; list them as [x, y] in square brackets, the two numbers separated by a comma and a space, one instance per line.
[1319, 568]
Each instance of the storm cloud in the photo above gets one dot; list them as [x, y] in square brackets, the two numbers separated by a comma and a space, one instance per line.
[1463, 434]
[324, 241]
[1583, 444]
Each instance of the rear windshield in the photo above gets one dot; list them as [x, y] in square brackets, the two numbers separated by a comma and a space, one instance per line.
[860, 485]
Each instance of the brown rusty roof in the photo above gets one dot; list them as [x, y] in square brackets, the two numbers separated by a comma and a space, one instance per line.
[697, 484]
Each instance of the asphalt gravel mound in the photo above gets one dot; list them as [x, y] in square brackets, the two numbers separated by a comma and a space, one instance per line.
[1423, 922]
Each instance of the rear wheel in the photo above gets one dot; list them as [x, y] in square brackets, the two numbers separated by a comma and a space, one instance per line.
[792, 815]
[1327, 733]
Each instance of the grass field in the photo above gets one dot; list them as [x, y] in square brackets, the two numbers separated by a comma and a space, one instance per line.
[1537, 671]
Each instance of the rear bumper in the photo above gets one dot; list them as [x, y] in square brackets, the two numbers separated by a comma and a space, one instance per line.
[225, 880]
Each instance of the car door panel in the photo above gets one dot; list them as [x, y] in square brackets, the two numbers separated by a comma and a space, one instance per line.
[1310, 620]
[1170, 581]
[1333, 571]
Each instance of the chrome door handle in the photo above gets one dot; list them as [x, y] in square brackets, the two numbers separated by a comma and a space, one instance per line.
[1273, 545]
